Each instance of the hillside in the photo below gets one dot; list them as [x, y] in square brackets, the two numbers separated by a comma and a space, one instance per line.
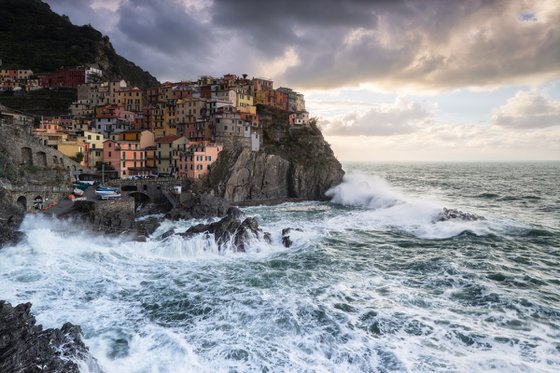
[35, 37]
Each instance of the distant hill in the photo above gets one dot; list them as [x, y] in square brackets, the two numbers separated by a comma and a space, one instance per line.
[33, 36]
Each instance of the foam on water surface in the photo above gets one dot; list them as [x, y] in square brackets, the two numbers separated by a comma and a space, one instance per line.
[371, 284]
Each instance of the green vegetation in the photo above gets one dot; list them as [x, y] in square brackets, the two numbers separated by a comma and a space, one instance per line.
[78, 158]
[7, 169]
[42, 102]
[34, 37]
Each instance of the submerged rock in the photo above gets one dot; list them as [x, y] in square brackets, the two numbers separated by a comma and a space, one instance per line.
[26, 347]
[230, 229]
[286, 240]
[454, 214]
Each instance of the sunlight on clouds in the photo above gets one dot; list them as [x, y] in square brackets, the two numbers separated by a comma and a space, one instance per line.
[528, 109]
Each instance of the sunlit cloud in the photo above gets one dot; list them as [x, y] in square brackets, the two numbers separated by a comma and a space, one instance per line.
[528, 109]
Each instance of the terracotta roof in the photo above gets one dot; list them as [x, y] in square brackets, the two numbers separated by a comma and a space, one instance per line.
[168, 139]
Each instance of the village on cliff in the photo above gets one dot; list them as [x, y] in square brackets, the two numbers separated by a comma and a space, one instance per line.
[172, 130]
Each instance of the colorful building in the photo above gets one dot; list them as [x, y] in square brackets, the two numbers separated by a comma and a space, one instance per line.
[196, 161]
[164, 157]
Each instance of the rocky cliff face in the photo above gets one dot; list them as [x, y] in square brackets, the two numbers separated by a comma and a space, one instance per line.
[26, 347]
[295, 162]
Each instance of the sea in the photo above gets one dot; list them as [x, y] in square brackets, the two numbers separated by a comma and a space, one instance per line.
[374, 282]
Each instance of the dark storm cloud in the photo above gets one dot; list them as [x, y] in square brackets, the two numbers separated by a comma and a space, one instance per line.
[164, 25]
[274, 25]
[436, 44]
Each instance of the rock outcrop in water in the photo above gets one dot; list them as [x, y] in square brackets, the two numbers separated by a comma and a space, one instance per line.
[26, 347]
[295, 162]
[454, 214]
[231, 230]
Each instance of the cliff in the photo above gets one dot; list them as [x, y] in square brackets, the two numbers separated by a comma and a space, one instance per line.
[295, 162]
[33, 36]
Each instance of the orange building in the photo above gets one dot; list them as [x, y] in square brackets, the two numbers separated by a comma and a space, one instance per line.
[196, 161]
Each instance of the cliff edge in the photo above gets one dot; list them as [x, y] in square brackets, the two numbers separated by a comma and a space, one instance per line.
[295, 162]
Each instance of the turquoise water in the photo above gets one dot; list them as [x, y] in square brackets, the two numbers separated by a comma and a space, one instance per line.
[371, 284]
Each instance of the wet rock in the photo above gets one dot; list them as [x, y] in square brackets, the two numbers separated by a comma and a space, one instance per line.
[229, 230]
[286, 240]
[167, 234]
[148, 226]
[201, 206]
[235, 212]
[454, 214]
[9, 231]
[26, 347]
[11, 217]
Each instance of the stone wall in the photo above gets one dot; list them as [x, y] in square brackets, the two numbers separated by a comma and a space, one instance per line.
[27, 150]
[31, 171]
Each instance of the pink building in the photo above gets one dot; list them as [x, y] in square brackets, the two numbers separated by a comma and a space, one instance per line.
[127, 157]
[197, 160]
[299, 119]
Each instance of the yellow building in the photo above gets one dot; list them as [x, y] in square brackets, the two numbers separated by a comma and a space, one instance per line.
[164, 153]
[72, 149]
[94, 139]
[131, 99]
[243, 99]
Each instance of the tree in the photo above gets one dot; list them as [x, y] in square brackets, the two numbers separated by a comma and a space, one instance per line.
[78, 158]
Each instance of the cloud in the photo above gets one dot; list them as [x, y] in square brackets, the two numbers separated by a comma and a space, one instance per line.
[401, 44]
[527, 110]
[399, 118]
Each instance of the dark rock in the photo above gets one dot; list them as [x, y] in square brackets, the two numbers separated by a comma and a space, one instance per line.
[10, 219]
[167, 234]
[112, 217]
[454, 214]
[200, 207]
[9, 231]
[267, 237]
[26, 347]
[148, 226]
[229, 230]
[234, 212]
[286, 240]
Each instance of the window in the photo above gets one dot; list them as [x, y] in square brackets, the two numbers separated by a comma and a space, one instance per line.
[109, 154]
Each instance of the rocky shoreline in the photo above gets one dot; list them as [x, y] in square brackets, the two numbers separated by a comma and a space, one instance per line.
[26, 347]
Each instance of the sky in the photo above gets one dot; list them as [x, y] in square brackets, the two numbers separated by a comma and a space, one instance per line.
[393, 80]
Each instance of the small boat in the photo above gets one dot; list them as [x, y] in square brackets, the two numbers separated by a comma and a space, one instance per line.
[105, 197]
[106, 189]
[81, 186]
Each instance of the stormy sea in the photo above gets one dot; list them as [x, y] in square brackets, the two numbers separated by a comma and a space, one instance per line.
[377, 280]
